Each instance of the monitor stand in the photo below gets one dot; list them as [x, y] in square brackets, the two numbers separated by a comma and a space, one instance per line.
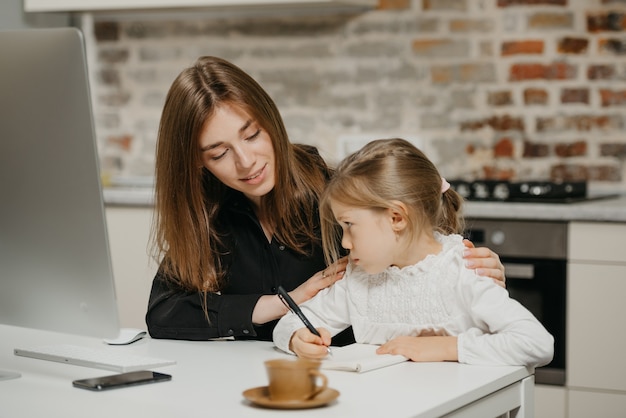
[7, 375]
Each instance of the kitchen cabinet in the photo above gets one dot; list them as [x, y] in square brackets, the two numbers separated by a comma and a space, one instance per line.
[95, 5]
[596, 342]
[550, 401]
[133, 269]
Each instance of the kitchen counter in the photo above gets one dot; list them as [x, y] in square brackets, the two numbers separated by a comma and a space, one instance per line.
[128, 196]
[610, 209]
[601, 210]
[219, 372]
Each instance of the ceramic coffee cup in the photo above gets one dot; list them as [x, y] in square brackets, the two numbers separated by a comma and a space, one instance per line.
[294, 379]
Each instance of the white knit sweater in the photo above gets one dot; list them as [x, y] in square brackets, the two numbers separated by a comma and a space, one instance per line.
[437, 296]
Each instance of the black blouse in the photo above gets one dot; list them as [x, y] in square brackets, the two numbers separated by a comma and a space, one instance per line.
[254, 267]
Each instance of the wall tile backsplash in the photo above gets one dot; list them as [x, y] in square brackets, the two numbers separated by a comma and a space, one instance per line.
[490, 89]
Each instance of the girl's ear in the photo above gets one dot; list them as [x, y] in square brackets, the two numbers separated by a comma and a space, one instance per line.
[398, 215]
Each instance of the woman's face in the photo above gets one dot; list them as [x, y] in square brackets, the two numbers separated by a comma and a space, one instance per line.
[238, 152]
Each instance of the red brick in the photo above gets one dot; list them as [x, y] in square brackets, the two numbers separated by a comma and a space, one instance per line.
[495, 173]
[394, 4]
[617, 150]
[504, 148]
[612, 46]
[497, 123]
[521, 47]
[500, 98]
[574, 149]
[509, 3]
[463, 73]
[601, 72]
[535, 150]
[535, 96]
[603, 22]
[572, 45]
[555, 71]
[612, 97]
[123, 142]
[527, 72]
[106, 31]
[441, 47]
[471, 25]
[582, 122]
[551, 21]
[450, 5]
[575, 95]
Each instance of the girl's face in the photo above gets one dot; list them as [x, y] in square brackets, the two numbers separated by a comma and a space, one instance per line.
[368, 235]
[237, 151]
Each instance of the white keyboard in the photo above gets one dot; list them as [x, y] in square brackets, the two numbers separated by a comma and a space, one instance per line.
[107, 359]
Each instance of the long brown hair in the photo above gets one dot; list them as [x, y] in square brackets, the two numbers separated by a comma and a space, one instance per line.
[188, 197]
[383, 171]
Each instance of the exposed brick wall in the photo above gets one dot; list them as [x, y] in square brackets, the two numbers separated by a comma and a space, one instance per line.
[494, 88]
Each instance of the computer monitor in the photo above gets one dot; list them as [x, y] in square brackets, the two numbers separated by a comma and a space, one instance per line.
[55, 265]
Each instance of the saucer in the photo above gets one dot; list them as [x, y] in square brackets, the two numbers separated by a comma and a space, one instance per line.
[260, 396]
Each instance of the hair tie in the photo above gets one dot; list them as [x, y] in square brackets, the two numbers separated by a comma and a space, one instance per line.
[444, 185]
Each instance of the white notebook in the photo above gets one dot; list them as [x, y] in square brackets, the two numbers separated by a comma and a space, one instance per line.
[359, 358]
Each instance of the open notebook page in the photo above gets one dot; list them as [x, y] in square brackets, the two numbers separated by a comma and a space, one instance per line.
[359, 358]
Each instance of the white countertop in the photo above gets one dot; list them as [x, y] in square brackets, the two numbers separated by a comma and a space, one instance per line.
[210, 377]
[601, 210]
[128, 196]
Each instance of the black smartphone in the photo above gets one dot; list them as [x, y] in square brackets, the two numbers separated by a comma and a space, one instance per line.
[121, 380]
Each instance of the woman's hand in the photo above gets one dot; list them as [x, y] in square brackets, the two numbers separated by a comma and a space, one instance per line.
[307, 345]
[269, 307]
[484, 261]
[320, 280]
[429, 348]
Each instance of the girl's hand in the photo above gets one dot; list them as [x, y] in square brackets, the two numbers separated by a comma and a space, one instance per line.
[435, 348]
[320, 280]
[485, 262]
[307, 345]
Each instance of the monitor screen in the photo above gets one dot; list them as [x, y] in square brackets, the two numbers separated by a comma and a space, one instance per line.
[55, 266]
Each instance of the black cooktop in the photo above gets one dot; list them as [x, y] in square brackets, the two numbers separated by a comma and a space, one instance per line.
[524, 191]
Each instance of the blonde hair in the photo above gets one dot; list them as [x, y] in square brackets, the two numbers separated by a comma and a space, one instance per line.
[384, 171]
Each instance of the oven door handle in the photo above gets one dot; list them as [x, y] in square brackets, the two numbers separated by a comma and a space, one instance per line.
[519, 271]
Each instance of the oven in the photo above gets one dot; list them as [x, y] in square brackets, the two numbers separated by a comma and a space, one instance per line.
[534, 255]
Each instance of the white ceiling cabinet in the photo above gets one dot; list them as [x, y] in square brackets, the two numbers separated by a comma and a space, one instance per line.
[110, 5]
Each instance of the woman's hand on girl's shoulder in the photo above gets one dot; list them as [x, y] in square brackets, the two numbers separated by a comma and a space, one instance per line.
[320, 280]
[485, 262]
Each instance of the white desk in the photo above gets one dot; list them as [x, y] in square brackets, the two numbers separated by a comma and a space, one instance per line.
[209, 379]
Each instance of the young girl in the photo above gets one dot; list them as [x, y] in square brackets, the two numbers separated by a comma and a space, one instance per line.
[406, 287]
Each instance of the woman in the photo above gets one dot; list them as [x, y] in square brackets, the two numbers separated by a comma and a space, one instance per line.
[237, 211]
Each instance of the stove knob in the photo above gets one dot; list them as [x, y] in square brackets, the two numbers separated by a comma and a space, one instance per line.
[498, 237]
[501, 191]
[524, 187]
[481, 191]
[464, 190]
[540, 189]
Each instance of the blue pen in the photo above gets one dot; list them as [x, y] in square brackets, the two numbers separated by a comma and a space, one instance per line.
[293, 307]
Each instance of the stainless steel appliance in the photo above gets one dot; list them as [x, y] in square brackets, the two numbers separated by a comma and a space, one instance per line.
[534, 255]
